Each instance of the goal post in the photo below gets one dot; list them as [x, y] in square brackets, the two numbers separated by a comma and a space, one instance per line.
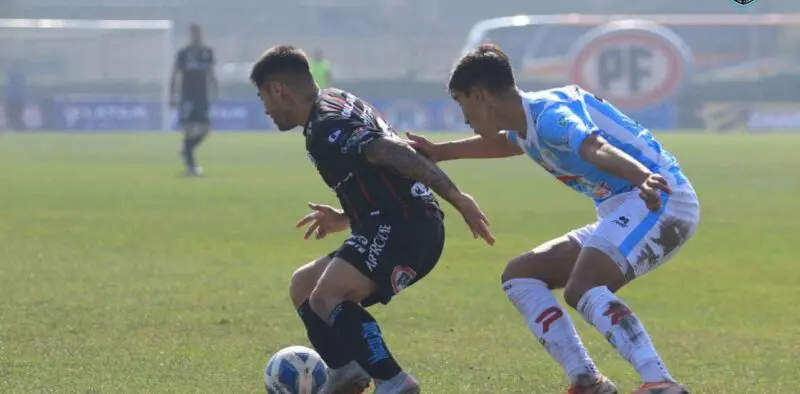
[92, 74]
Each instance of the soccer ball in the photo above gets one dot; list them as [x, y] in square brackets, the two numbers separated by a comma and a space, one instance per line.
[295, 370]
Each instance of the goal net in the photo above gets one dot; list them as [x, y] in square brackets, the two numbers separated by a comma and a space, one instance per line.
[87, 74]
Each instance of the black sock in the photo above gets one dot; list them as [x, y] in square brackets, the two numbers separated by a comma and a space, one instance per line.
[199, 135]
[359, 332]
[322, 338]
[188, 150]
[193, 142]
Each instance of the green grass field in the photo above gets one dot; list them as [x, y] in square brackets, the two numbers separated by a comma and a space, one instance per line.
[117, 275]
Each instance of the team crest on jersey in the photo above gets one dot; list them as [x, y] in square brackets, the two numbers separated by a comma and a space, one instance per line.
[402, 276]
[601, 191]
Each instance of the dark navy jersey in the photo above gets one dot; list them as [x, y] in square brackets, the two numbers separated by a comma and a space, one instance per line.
[339, 126]
[195, 62]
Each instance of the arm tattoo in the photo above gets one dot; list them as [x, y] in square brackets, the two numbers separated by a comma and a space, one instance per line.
[401, 157]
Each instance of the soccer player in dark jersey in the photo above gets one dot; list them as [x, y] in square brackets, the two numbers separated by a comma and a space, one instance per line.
[194, 64]
[397, 231]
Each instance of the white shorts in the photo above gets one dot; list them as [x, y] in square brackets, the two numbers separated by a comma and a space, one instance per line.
[637, 239]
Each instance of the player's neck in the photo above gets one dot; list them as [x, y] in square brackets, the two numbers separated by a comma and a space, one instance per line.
[309, 99]
[513, 116]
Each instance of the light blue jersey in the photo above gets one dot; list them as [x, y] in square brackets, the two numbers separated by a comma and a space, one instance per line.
[558, 122]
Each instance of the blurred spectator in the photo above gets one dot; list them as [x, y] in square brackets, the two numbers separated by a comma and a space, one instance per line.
[14, 92]
[321, 69]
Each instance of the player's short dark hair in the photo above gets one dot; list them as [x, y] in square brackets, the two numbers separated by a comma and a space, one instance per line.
[486, 66]
[286, 62]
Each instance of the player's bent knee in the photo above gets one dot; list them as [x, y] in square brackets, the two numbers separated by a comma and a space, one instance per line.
[300, 287]
[551, 263]
[323, 303]
[514, 270]
[580, 283]
[344, 281]
[595, 267]
[333, 287]
[530, 266]
[319, 304]
[525, 267]
[304, 280]
[573, 293]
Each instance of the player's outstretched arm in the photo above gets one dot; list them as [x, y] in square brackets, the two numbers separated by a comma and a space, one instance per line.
[399, 155]
[476, 147]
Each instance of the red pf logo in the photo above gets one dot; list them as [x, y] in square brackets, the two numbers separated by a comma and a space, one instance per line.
[633, 64]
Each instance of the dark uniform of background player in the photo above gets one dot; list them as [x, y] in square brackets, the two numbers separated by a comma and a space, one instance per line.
[194, 64]
[396, 224]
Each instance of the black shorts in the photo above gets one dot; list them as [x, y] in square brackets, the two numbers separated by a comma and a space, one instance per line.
[194, 111]
[394, 252]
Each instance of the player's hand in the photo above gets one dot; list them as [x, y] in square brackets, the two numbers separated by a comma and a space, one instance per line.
[650, 191]
[324, 220]
[424, 146]
[474, 216]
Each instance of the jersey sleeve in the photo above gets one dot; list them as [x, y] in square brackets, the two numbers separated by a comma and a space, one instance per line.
[348, 137]
[353, 142]
[562, 125]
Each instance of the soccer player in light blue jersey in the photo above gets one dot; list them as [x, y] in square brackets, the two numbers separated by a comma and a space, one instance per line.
[646, 207]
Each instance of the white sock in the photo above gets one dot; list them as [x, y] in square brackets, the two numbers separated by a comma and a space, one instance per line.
[600, 307]
[552, 327]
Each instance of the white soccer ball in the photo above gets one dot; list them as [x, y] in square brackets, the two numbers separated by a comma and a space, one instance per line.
[295, 370]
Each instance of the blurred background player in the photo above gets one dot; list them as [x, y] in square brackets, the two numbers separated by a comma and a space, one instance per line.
[14, 96]
[647, 211]
[194, 68]
[321, 69]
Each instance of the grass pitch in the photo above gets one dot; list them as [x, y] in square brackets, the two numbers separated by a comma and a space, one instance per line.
[119, 276]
